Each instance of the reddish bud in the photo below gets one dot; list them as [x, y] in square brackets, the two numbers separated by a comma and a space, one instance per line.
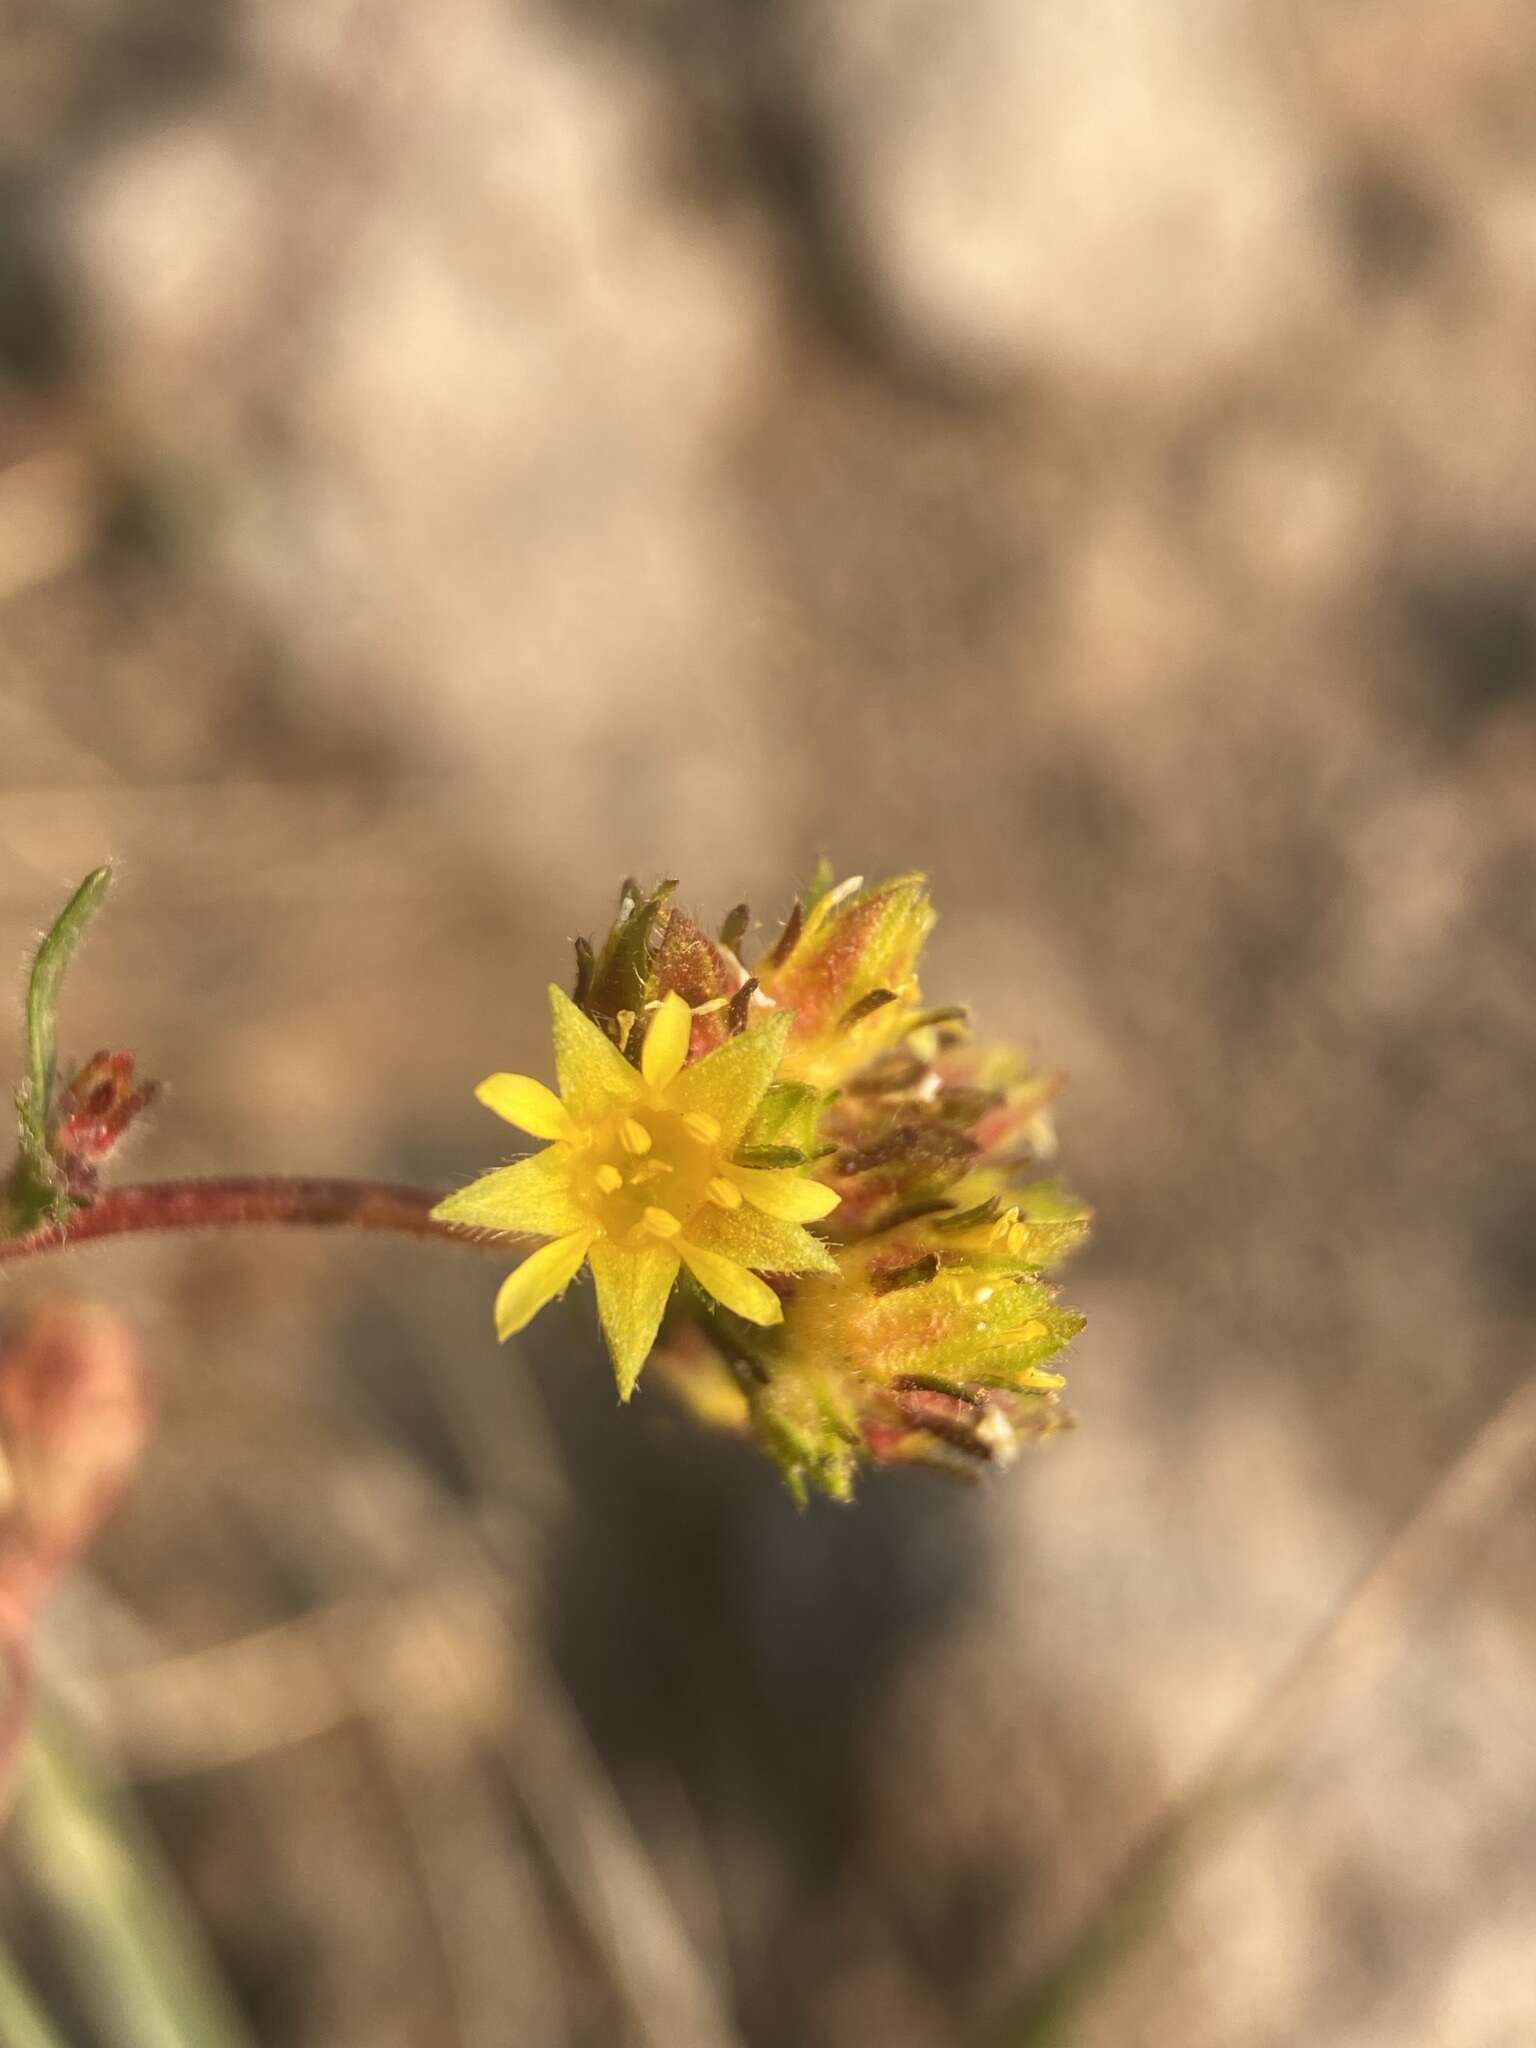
[94, 1110]
[847, 968]
[706, 974]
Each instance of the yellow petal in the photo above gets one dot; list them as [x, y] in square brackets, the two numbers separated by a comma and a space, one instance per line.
[789, 1196]
[733, 1285]
[528, 1104]
[729, 1083]
[666, 1041]
[632, 1290]
[766, 1243]
[594, 1074]
[542, 1275]
[533, 1195]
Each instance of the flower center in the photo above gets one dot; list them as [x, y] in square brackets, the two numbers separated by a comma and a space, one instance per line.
[647, 1171]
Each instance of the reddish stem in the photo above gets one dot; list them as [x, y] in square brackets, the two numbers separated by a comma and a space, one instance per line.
[230, 1203]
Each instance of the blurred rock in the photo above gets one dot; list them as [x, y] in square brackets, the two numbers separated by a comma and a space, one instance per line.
[1114, 186]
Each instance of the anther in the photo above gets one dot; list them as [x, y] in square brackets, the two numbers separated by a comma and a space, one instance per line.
[698, 1123]
[634, 1137]
[724, 1193]
[661, 1223]
[609, 1179]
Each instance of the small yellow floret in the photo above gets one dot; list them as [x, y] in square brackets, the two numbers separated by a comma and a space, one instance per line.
[640, 1178]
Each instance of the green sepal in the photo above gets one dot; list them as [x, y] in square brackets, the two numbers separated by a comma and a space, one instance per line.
[786, 1121]
[619, 976]
[1047, 1201]
[820, 884]
[809, 1434]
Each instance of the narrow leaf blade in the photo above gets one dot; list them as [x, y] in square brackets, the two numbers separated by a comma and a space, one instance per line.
[48, 971]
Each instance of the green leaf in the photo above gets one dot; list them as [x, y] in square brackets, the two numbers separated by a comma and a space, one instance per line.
[36, 1193]
[48, 970]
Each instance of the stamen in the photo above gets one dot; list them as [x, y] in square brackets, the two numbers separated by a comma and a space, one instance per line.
[698, 1123]
[648, 1169]
[634, 1137]
[724, 1193]
[1003, 1230]
[661, 1223]
[609, 1179]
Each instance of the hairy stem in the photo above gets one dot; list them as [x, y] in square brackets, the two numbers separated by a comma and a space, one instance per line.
[226, 1204]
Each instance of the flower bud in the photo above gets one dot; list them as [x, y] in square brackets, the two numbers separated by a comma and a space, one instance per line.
[654, 949]
[929, 1347]
[846, 964]
[93, 1113]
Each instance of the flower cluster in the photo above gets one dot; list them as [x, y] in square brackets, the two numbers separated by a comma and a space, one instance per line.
[709, 1112]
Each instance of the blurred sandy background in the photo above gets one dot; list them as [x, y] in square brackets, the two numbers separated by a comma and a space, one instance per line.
[454, 455]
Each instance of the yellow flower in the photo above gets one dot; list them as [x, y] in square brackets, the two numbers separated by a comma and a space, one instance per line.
[641, 1178]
